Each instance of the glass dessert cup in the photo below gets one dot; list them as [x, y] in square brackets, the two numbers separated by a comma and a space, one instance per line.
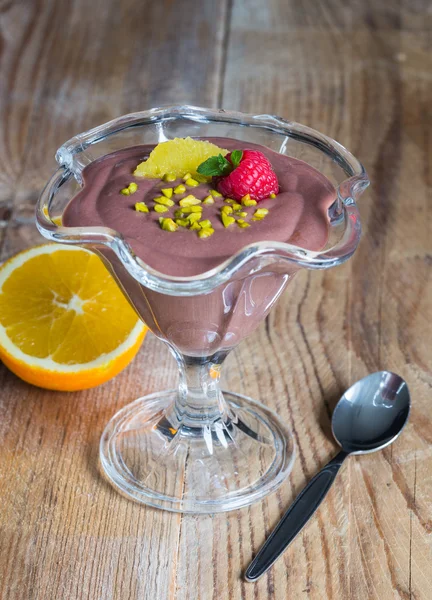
[198, 449]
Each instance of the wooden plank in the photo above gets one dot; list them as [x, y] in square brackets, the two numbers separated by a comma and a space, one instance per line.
[390, 310]
[67, 66]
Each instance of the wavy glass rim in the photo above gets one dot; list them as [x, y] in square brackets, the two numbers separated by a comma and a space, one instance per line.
[268, 251]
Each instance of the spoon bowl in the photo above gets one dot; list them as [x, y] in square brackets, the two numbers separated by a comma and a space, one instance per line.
[372, 413]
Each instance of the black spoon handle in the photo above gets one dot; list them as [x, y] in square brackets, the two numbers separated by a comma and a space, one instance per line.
[295, 518]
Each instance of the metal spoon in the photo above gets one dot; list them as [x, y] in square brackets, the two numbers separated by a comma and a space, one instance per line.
[369, 416]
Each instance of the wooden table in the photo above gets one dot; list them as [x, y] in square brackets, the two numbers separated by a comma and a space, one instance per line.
[359, 71]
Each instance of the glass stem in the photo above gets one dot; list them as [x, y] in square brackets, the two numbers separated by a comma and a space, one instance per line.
[200, 400]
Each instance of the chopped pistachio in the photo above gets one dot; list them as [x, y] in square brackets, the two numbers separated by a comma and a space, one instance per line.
[201, 178]
[226, 209]
[237, 206]
[260, 213]
[229, 200]
[186, 210]
[205, 233]
[208, 200]
[141, 207]
[215, 194]
[167, 192]
[187, 176]
[169, 225]
[180, 189]
[189, 201]
[194, 217]
[272, 195]
[191, 182]
[249, 202]
[227, 220]
[169, 177]
[195, 227]
[241, 223]
[243, 213]
[246, 197]
[182, 222]
[164, 201]
[132, 187]
[125, 192]
[206, 223]
[159, 208]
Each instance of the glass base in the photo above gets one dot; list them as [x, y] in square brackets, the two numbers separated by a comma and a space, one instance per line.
[235, 460]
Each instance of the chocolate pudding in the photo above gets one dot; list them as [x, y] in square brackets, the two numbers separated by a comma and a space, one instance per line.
[202, 325]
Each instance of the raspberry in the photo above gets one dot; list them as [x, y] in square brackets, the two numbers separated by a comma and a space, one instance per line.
[254, 175]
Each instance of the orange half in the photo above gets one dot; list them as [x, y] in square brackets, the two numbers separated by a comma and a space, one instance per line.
[64, 322]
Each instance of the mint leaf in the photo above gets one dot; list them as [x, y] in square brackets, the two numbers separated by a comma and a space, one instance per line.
[215, 166]
[236, 156]
[209, 167]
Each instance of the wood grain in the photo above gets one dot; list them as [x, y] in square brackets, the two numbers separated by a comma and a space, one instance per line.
[358, 71]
